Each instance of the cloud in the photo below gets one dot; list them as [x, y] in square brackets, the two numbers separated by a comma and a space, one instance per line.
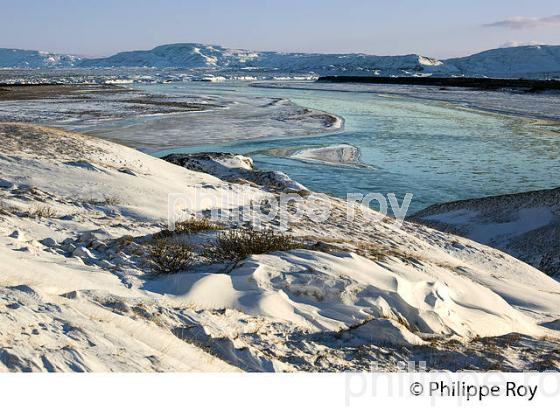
[519, 23]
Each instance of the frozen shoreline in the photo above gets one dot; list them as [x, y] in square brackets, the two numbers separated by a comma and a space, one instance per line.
[536, 106]
[155, 121]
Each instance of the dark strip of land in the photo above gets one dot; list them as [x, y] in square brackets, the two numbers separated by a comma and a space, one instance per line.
[14, 92]
[467, 82]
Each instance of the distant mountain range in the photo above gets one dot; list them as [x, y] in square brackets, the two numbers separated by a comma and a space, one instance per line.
[527, 61]
[16, 58]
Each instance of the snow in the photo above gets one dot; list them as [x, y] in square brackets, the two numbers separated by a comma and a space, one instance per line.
[326, 292]
[234, 168]
[76, 293]
[338, 154]
[535, 61]
[524, 225]
[153, 121]
[200, 56]
[16, 58]
[525, 221]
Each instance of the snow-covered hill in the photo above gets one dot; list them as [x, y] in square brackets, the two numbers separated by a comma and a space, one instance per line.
[190, 55]
[184, 55]
[526, 61]
[16, 58]
[525, 225]
[78, 291]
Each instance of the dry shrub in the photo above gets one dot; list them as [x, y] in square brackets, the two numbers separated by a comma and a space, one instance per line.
[304, 193]
[42, 211]
[189, 226]
[378, 252]
[195, 225]
[373, 251]
[169, 256]
[107, 200]
[4, 208]
[239, 244]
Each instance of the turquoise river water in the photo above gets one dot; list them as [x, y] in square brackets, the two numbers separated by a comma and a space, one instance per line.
[436, 151]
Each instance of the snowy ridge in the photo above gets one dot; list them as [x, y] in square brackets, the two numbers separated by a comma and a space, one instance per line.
[188, 55]
[16, 58]
[525, 61]
[525, 225]
[197, 56]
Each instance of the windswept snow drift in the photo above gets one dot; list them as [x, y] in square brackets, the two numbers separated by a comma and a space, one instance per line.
[77, 293]
[322, 291]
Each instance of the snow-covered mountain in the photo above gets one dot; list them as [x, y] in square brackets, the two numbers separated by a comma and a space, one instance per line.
[16, 58]
[191, 55]
[183, 55]
[525, 61]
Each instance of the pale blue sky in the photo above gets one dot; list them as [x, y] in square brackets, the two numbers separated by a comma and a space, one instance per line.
[438, 28]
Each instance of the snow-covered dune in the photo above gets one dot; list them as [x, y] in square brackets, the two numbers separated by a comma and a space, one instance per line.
[78, 292]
